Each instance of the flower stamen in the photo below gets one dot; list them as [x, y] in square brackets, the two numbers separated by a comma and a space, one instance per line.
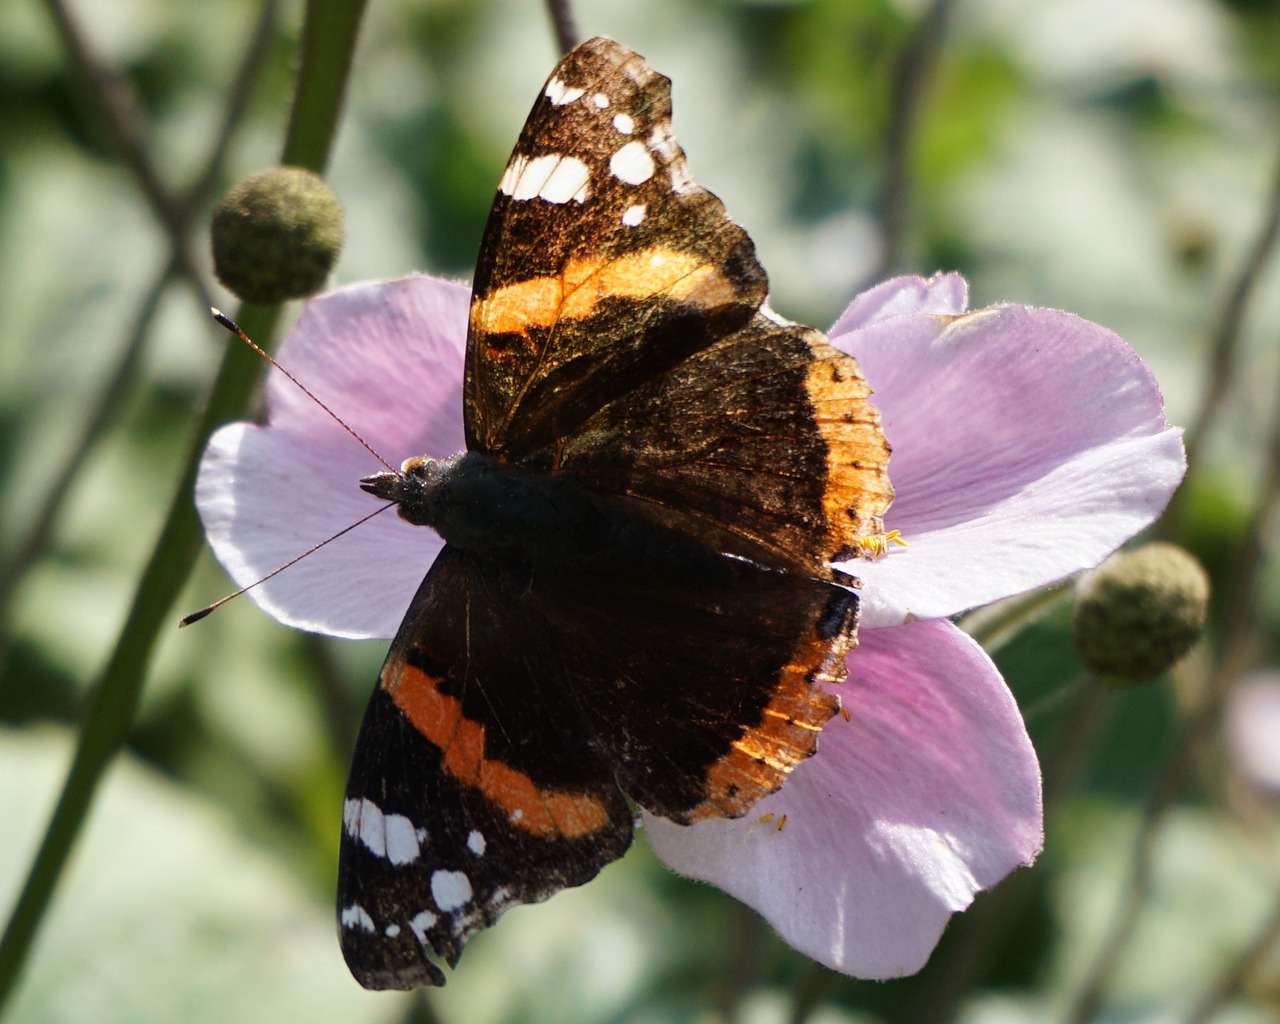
[878, 545]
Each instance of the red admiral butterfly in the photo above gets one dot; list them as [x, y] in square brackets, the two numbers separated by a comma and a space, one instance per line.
[636, 594]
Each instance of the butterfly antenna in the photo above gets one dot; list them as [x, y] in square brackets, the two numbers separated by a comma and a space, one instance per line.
[197, 616]
[234, 328]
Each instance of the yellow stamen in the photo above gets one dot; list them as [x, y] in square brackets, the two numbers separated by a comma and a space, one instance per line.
[877, 546]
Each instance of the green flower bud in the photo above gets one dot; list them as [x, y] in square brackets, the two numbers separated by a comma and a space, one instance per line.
[276, 235]
[1139, 612]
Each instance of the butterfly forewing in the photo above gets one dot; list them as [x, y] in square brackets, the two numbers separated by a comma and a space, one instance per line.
[602, 262]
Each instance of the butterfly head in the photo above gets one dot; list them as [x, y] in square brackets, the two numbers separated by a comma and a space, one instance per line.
[412, 488]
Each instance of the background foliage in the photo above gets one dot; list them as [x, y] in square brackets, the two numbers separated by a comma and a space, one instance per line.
[1118, 160]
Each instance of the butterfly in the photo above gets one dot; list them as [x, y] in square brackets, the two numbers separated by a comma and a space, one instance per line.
[636, 603]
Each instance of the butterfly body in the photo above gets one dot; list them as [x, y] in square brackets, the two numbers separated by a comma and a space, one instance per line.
[482, 504]
[636, 600]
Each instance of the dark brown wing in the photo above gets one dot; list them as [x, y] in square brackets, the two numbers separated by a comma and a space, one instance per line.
[698, 673]
[471, 789]
[765, 444]
[517, 705]
[602, 262]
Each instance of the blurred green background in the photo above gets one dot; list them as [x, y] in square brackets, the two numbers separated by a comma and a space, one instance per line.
[1117, 159]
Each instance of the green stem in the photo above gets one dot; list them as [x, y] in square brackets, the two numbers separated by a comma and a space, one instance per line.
[1224, 353]
[100, 418]
[912, 75]
[997, 624]
[1236, 651]
[328, 40]
[115, 696]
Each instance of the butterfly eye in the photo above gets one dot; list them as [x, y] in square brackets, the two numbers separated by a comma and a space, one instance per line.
[420, 467]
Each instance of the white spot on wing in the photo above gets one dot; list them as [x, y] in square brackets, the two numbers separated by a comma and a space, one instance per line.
[476, 843]
[392, 836]
[633, 215]
[568, 180]
[369, 828]
[600, 100]
[552, 177]
[450, 889]
[355, 916]
[632, 164]
[624, 123]
[662, 142]
[770, 314]
[401, 840]
[512, 175]
[351, 817]
[559, 94]
[392, 931]
[422, 923]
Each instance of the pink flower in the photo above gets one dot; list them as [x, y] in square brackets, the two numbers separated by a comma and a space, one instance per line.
[1028, 444]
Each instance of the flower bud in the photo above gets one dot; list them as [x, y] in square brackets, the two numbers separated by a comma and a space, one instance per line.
[1139, 612]
[276, 235]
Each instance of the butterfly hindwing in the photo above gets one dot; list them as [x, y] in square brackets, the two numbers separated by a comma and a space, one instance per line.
[602, 262]
[517, 705]
[701, 675]
[471, 789]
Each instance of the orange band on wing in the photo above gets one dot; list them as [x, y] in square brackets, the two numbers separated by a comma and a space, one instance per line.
[759, 761]
[543, 812]
[858, 492]
[575, 294]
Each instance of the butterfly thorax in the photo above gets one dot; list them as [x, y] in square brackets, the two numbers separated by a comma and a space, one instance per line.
[483, 504]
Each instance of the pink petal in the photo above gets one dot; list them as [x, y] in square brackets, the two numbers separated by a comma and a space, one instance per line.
[387, 357]
[899, 296]
[1027, 445]
[927, 795]
[1253, 728]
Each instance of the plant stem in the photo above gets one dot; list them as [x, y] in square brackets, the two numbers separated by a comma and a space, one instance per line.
[329, 37]
[997, 624]
[563, 22]
[911, 78]
[1226, 348]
